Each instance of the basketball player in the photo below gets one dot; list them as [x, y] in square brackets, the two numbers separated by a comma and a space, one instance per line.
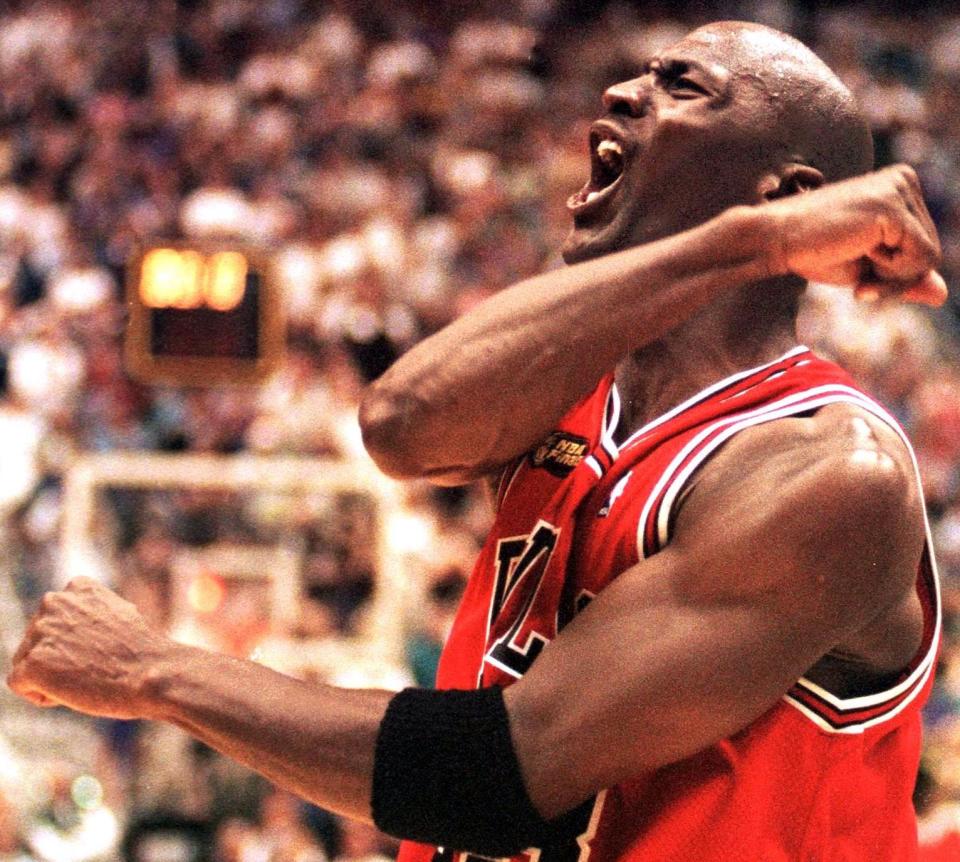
[706, 616]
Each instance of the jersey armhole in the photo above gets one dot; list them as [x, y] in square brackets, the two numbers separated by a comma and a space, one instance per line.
[829, 712]
[657, 516]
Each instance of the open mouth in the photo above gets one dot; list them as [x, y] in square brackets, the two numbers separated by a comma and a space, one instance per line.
[607, 162]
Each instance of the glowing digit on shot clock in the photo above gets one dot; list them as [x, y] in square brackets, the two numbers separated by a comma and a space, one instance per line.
[186, 279]
[226, 280]
[160, 277]
[192, 271]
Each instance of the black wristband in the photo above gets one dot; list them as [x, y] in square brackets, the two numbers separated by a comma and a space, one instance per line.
[445, 773]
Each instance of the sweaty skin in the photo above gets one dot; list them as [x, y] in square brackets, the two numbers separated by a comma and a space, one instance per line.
[668, 271]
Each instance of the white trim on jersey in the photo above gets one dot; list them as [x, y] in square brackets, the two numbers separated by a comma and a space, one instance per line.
[611, 418]
[594, 465]
[797, 404]
[855, 729]
[706, 393]
[791, 405]
[800, 402]
[513, 475]
[584, 840]
[921, 673]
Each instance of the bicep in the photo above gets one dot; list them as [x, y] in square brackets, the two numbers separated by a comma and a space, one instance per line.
[645, 677]
[692, 645]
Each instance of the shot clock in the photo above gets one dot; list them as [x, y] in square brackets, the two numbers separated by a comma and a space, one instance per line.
[201, 315]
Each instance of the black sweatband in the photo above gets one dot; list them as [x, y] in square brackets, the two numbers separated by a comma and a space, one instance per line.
[445, 773]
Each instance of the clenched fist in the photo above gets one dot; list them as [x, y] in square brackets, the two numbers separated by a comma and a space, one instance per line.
[87, 649]
[872, 232]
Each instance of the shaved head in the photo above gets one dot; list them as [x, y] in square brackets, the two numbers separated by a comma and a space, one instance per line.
[811, 115]
[733, 113]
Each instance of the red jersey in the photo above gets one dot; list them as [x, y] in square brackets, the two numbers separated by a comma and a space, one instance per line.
[818, 776]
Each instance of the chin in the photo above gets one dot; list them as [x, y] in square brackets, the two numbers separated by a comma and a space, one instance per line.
[626, 229]
[585, 244]
[576, 248]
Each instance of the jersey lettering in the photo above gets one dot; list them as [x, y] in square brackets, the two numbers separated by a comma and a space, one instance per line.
[575, 849]
[507, 575]
[520, 561]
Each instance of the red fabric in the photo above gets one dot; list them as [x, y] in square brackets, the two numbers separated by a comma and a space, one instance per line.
[946, 849]
[789, 786]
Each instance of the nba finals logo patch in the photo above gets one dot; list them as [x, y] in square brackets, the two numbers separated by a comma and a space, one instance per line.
[559, 453]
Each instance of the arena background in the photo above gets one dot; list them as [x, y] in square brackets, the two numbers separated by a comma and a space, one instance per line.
[396, 162]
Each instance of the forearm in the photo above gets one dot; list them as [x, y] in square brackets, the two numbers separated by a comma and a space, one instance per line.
[314, 740]
[320, 742]
[90, 650]
[485, 388]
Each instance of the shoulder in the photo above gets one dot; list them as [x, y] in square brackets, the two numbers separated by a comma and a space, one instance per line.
[842, 452]
[833, 494]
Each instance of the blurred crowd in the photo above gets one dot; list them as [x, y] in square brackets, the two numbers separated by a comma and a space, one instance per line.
[400, 161]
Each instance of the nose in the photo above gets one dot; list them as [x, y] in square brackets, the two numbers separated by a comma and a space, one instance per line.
[628, 97]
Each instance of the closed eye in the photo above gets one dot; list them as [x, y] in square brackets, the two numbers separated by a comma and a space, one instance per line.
[683, 84]
[672, 76]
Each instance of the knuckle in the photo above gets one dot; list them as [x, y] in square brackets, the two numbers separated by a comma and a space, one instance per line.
[927, 246]
[901, 185]
[888, 218]
[885, 199]
[889, 173]
[19, 673]
[906, 172]
[30, 637]
[47, 603]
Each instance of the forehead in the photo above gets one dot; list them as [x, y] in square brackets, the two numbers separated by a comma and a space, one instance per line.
[737, 52]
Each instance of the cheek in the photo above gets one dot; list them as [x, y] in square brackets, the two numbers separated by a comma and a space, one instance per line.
[698, 134]
[722, 161]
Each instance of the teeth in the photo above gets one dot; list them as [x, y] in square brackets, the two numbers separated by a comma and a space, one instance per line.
[609, 151]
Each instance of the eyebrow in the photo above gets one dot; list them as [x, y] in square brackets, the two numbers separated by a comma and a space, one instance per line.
[719, 76]
[716, 72]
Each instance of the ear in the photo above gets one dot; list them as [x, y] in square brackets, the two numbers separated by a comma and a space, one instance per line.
[792, 179]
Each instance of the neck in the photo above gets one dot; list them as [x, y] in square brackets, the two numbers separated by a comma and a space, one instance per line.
[741, 332]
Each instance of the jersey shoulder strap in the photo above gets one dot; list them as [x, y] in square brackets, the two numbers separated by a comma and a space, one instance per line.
[828, 711]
